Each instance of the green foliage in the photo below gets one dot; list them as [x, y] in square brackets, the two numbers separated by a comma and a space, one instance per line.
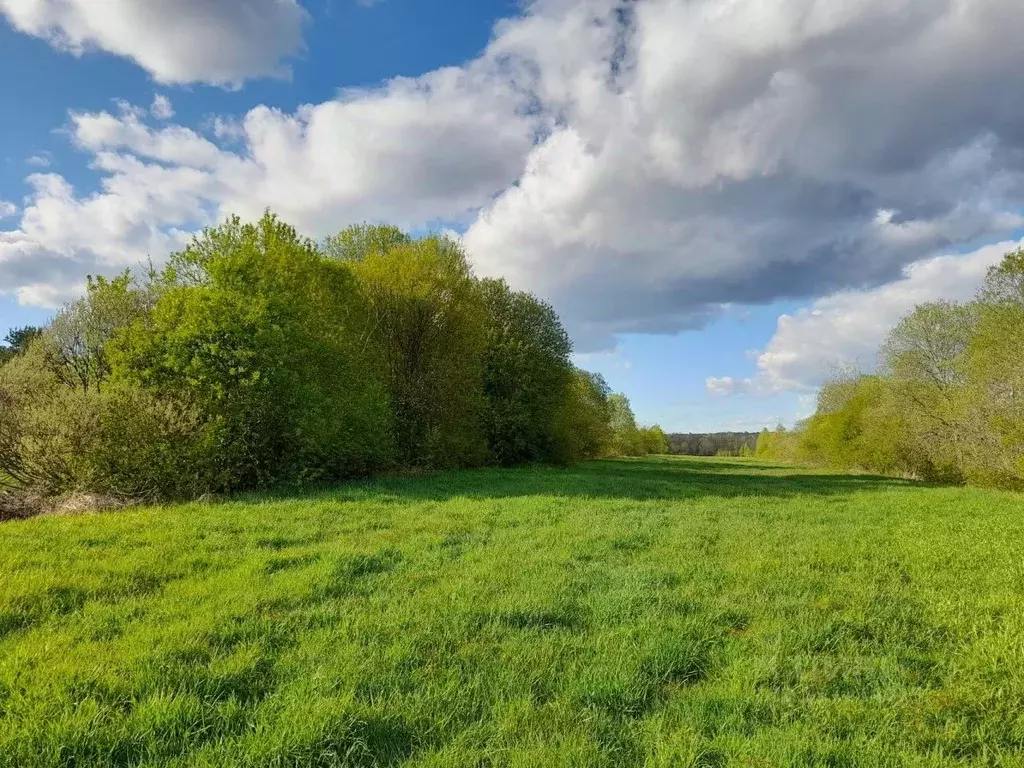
[428, 322]
[779, 444]
[653, 441]
[1004, 282]
[77, 341]
[265, 339]
[527, 375]
[948, 404]
[584, 426]
[625, 434]
[710, 443]
[359, 241]
[65, 426]
[993, 401]
[120, 441]
[42, 423]
[18, 341]
[257, 359]
[615, 614]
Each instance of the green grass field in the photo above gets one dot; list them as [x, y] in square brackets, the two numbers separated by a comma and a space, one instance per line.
[662, 612]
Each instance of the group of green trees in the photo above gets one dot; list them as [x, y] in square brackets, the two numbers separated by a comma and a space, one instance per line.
[713, 443]
[258, 358]
[947, 402]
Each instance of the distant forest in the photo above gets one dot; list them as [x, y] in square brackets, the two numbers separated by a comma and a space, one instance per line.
[713, 444]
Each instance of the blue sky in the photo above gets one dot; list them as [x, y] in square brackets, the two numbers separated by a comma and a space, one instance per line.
[719, 215]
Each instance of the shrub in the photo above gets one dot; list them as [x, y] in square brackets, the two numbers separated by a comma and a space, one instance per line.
[264, 341]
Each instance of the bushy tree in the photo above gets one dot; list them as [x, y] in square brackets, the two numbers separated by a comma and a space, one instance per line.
[627, 438]
[856, 426]
[358, 241]
[59, 407]
[653, 440]
[993, 405]
[584, 422]
[267, 340]
[428, 322]
[947, 404]
[780, 444]
[625, 434]
[922, 362]
[77, 342]
[527, 375]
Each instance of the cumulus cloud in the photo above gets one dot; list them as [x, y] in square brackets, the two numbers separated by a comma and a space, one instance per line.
[415, 151]
[220, 42]
[678, 157]
[847, 329]
[712, 152]
[7, 209]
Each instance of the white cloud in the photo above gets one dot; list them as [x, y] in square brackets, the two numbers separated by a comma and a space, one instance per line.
[415, 151]
[723, 386]
[162, 109]
[220, 42]
[847, 329]
[39, 161]
[713, 152]
[7, 209]
[680, 157]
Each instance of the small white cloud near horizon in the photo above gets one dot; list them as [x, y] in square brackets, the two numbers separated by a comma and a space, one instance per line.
[7, 209]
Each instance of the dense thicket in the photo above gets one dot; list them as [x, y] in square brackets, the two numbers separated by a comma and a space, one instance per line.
[713, 443]
[257, 358]
[947, 402]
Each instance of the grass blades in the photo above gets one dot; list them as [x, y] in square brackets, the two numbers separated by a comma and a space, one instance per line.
[656, 612]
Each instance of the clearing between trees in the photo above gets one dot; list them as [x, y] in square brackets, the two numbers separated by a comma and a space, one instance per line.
[658, 611]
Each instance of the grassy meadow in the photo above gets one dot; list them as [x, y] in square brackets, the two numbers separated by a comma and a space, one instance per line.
[651, 612]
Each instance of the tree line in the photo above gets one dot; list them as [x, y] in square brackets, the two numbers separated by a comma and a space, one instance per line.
[947, 401]
[713, 443]
[258, 358]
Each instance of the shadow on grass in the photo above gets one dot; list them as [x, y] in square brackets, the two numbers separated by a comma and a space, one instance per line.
[670, 478]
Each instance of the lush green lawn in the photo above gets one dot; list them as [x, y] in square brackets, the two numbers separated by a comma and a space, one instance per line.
[640, 612]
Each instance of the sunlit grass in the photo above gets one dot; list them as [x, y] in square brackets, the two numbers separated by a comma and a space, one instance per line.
[654, 612]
